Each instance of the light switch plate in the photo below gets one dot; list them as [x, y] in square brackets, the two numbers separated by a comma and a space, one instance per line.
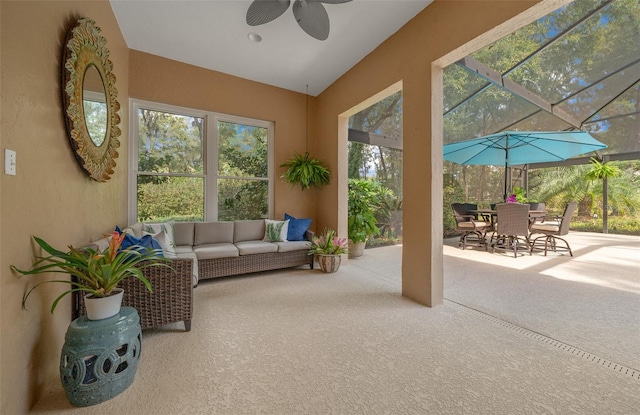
[9, 162]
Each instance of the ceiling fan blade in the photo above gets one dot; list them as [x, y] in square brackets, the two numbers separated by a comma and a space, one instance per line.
[264, 11]
[312, 18]
[334, 1]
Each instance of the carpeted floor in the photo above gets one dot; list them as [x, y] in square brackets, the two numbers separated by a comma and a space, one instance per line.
[303, 342]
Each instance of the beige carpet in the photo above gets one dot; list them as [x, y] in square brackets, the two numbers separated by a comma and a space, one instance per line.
[303, 342]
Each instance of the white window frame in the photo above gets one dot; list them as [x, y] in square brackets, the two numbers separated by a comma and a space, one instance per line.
[210, 154]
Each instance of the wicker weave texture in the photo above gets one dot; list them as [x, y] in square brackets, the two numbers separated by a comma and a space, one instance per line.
[170, 302]
[513, 219]
[244, 264]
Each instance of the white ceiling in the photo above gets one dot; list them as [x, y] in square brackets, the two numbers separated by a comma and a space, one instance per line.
[213, 34]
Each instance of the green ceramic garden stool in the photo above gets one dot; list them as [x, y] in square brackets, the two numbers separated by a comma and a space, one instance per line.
[100, 357]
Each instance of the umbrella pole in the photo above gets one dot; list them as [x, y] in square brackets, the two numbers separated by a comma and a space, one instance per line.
[506, 171]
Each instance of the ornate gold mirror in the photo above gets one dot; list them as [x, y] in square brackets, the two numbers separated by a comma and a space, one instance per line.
[90, 102]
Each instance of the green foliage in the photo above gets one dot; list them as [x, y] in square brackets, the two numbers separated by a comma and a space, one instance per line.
[243, 150]
[328, 243]
[363, 197]
[559, 185]
[388, 214]
[615, 224]
[96, 273]
[242, 199]
[305, 171]
[520, 194]
[180, 198]
[600, 171]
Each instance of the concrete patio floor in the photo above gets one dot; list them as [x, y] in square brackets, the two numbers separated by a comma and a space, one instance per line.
[590, 301]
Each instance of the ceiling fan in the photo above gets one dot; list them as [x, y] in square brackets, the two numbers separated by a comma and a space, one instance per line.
[310, 14]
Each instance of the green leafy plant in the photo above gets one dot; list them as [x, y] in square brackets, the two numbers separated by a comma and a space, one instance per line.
[363, 199]
[305, 171]
[518, 196]
[328, 243]
[96, 273]
[601, 171]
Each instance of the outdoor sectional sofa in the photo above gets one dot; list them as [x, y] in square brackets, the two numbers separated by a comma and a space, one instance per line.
[199, 251]
[232, 248]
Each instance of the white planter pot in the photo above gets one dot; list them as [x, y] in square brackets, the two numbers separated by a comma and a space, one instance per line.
[356, 250]
[99, 308]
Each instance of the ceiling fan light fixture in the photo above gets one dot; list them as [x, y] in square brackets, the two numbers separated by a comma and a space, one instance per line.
[310, 15]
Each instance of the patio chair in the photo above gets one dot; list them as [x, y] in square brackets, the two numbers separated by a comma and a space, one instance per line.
[552, 228]
[533, 218]
[512, 228]
[469, 225]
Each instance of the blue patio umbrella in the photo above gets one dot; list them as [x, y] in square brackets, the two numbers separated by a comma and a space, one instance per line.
[515, 148]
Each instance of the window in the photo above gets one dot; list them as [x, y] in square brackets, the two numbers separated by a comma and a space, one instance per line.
[190, 165]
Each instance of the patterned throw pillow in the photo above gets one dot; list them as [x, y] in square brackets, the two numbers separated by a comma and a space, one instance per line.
[163, 233]
[146, 241]
[276, 230]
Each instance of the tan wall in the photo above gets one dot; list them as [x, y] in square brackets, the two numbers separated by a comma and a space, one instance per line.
[157, 79]
[50, 196]
[406, 57]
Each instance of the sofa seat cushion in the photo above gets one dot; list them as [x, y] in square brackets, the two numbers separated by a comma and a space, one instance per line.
[184, 249]
[293, 246]
[191, 255]
[209, 251]
[255, 247]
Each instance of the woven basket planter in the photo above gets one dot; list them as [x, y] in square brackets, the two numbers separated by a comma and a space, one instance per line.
[329, 263]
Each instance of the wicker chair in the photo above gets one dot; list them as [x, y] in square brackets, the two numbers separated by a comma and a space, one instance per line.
[468, 224]
[170, 302]
[512, 228]
[551, 229]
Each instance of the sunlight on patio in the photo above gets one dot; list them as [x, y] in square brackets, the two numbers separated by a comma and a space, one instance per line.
[611, 261]
[611, 267]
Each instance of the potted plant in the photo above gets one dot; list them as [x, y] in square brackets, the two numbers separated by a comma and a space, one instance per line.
[362, 199]
[518, 195]
[327, 248]
[305, 171]
[95, 273]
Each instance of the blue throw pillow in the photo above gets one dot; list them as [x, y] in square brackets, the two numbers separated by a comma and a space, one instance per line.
[146, 241]
[297, 228]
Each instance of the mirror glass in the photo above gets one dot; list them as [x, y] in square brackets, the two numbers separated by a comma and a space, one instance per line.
[95, 105]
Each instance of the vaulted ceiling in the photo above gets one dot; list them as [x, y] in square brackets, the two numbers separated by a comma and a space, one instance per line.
[215, 35]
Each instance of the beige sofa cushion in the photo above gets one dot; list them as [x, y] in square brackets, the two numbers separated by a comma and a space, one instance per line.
[183, 233]
[248, 230]
[292, 246]
[209, 251]
[255, 247]
[213, 233]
